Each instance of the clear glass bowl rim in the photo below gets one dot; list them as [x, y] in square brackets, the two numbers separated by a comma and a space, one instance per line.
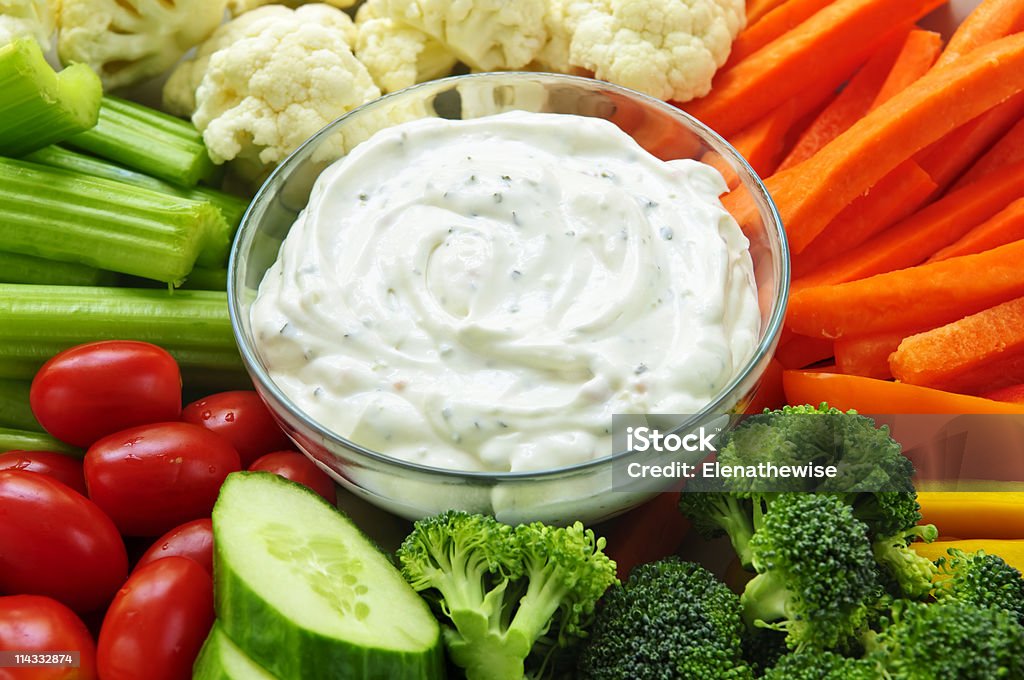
[255, 366]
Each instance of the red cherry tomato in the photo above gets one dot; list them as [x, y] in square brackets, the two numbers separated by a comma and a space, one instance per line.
[242, 418]
[298, 468]
[157, 622]
[56, 542]
[32, 623]
[193, 540]
[60, 466]
[152, 478]
[92, 390]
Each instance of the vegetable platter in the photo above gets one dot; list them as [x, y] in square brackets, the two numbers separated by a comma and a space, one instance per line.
[157, 523]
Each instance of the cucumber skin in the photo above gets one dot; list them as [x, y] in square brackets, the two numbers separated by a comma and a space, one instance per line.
[291, 652]
[208, 665]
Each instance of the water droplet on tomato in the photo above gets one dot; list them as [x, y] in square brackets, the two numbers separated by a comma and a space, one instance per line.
[230, 417]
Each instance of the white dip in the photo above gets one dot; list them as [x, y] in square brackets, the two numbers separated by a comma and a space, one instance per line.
[485, 294]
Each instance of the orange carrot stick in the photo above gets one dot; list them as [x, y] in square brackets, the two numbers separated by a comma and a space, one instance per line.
[799, 351]
[1004, 227]
[756, 9]
[916, 238]
[896, 196]
[989, 21]
[849, 106]
[919, 52]
[925, 296]
[811, 194]
[869, 395]
[772, 25]
[868, 355]
[947, 158]
[1007, 150]
[826, 48]
[762, 143]
[983, 351]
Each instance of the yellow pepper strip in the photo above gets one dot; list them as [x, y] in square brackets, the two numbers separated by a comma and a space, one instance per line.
[974, 514]
[1011, 551]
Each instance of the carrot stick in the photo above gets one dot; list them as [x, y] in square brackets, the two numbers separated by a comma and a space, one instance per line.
[916, 238]
[811, 194]
[849, 106]
[868, 355]
[1007, 150]
[772, 25]
[979, 352]
[989, 21]
[919, 52]
[826, 48]
[757, 9]
[1004, 227]
[869, 395]
[896, 196]
[926, 296]
[762, 143]
[801, 351]
[947, 158]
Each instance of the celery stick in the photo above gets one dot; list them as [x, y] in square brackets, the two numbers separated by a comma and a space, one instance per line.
[39, 321]
[61, 215]
[37, 105]
[14, 407]
[149, 141]
[15, 268]
[231, 207]
[21, 440]
[202, 278]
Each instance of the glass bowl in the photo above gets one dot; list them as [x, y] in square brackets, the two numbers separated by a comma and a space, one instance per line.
[588, 491]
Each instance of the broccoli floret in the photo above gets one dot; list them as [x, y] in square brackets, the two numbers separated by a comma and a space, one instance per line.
[949, 639]
[816, 576]
[873, 475]
[763, 647]
[982, 580]
[822, 666]
[906, 573]
[506, 591]
[671, 619]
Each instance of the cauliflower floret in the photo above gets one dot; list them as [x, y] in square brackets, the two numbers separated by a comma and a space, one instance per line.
[397, 55]
[487, 35]
[36, 18]
[669, 49]
[237, 7]
[179, 95]
[126, 41]
[281, 81]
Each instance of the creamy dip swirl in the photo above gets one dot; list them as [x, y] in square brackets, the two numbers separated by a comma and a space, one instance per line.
[483, 295]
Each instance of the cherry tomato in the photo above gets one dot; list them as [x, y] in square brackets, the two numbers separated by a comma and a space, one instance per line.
[152, 478]
[241, 417]
[193, 540]
[60, 466]
[157, 622]
[92, 390]
[32, 623]
[298, 468]
[56, 542]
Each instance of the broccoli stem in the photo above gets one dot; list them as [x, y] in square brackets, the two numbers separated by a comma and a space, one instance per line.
[764, 599]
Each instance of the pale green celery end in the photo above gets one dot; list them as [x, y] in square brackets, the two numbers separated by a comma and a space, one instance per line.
[39, 106]
[12, 439]
[135, 136]
[40, 321]
[217, 244]
[102, 223]
[17, 268]
[15, 410]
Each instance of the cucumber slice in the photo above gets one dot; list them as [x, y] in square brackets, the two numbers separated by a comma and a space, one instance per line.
[306, 595]
[221, 659]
